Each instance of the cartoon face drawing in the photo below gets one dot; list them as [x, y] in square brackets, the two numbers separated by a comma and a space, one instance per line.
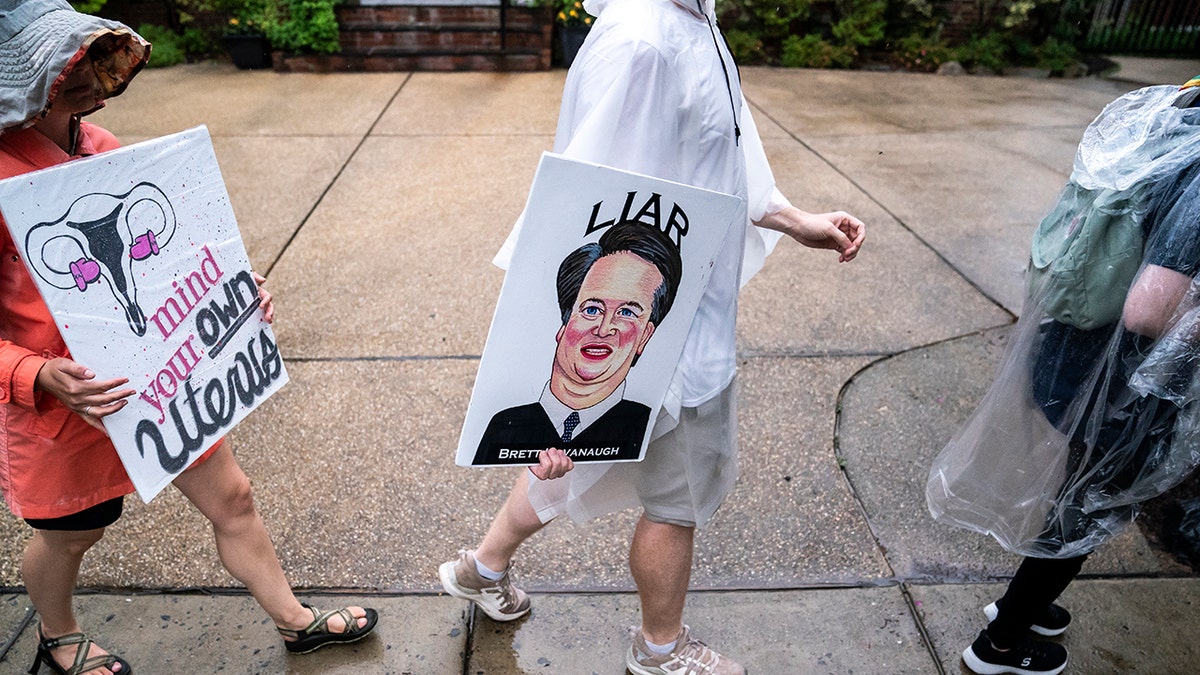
[100, 237]
[610, 324]
[612, 295]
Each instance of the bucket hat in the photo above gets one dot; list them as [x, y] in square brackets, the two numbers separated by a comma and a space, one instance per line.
[42, 39]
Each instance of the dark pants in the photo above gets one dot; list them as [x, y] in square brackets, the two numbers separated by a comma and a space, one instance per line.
[1037, 583]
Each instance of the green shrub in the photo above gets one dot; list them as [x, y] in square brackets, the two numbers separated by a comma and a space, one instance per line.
[990, 51]
[1056, 55]
[88, 6]
[745, 46]
[308, 26]
[774, 20]
[921, 54]
[167, 49]
[862, 23]
[199, 43]
[809, 51]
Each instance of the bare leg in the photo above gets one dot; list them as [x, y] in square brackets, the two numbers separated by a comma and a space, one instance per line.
[221, 491]
[514, 523]
[50, 568]
[661, 561]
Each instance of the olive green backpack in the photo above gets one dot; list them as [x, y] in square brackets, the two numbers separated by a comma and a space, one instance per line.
[1086, 253]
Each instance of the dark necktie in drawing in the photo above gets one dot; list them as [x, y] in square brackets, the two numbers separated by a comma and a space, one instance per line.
[569, 425]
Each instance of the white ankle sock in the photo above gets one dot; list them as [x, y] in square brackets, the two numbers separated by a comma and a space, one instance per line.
[662, 649]
[487, 572]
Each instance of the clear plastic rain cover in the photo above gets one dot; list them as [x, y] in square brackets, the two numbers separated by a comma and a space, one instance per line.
[1094, 407]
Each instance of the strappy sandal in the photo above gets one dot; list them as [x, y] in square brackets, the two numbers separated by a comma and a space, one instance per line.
[82, 663]
[316, 634]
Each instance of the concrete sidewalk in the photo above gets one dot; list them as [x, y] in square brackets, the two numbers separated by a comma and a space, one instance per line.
[374, 203]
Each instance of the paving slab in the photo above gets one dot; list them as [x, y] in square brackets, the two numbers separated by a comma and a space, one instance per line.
[972, 203]
[407, 249]
[815, 103]
[867, 630]
[15, 612]
[1118, 626]
[475, 104]
[249, 102]
[1147, 70]
[805, 302]
[231, 634]
[896, 416]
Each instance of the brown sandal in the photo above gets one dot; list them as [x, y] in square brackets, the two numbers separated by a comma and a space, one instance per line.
[82, 662]
[317, 634]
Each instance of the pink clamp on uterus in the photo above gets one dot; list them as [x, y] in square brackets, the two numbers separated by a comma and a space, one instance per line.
[95, 239]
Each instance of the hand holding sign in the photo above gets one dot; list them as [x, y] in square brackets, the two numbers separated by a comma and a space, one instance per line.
[77, 387]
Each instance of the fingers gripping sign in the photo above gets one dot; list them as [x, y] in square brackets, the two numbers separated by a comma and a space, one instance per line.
[552, 463]
[265, 301]
[78, 389]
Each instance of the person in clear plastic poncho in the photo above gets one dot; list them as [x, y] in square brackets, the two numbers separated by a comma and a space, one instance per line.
[1094, 408]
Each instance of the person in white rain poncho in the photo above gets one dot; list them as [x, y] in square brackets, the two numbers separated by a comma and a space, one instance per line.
[1094, 408]
[654, 90]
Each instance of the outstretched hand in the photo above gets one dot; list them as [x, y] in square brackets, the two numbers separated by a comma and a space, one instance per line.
[838, 230]
[552, 463]
[78, 389]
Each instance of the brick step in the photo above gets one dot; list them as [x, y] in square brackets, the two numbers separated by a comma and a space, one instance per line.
[425, 61]
[350, 17]
[375, 42]
[441, 28]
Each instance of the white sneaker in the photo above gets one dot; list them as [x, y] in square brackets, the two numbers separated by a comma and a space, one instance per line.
[690, 657]
[498, 599]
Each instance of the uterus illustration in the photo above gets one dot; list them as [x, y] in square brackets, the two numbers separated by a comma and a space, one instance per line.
[95, 245]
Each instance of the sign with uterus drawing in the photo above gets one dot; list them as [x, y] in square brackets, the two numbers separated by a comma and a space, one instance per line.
[607, 272]
[138, 256]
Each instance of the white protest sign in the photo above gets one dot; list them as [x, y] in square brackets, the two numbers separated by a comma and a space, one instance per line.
[606, 276]
[137, 254]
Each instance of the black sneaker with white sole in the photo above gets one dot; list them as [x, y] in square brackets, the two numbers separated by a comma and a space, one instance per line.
[1032, 657]
[1053, 621]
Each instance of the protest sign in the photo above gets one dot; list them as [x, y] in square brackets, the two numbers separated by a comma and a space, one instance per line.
[137, 254]
[608, 270]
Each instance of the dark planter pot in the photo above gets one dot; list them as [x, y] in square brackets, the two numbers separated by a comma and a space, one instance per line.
[571, 38]
[248, 51]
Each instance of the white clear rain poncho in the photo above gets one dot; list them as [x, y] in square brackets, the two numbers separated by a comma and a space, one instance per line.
[1094, 407]
[655, 90]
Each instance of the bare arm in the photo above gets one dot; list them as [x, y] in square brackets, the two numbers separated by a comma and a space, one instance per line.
[838, 231]
[1153, 299]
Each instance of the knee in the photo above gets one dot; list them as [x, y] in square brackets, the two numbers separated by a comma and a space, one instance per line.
[238, 500]
[72, 543]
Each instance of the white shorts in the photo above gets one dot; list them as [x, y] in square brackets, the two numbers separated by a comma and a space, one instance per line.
[684, 478]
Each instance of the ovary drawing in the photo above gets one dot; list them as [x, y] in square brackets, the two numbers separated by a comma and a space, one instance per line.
[100, 237]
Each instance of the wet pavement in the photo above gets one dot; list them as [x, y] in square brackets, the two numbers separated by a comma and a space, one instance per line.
[374, 202]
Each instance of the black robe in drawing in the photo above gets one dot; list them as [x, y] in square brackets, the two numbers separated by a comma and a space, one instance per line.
[616, 435]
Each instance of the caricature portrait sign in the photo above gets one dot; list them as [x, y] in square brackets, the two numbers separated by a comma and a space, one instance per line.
[137, 254]
[608, 269]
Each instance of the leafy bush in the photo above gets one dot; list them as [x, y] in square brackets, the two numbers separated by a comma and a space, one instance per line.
[1055, 55]
[308, 26]
[921, 54]
[989, 51]
[810, 51]
[746, 47]
[88, 6]
[166, 50]
[773, 20]
[862, 24]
